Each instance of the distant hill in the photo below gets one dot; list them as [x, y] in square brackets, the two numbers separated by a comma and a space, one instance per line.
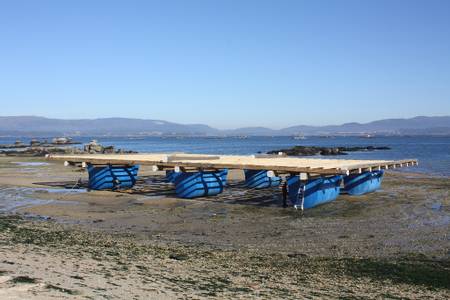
[416, 125]
[106, 126]
[413, 126]
[31, 125]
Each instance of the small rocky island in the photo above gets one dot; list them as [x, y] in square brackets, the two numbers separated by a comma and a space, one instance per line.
[57, 146]
[314, 150]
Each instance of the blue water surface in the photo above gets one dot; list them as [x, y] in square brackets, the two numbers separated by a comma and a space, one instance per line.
[433, 153]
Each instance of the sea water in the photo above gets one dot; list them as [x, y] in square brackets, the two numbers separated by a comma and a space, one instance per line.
[433, 153]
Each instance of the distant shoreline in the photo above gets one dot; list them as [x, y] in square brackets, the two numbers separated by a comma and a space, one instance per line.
[138, 136]
[33, 125]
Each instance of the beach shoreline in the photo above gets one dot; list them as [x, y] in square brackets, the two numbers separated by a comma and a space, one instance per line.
[148, 243]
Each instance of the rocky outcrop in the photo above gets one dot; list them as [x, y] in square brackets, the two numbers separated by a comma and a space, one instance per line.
[36, 143]
[313, 150]
[39, 149]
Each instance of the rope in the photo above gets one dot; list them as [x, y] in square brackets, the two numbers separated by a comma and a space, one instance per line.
[246, 191]
[78, 183]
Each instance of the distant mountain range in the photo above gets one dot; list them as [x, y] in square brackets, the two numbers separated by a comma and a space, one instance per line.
[40, 126]
[412, 126]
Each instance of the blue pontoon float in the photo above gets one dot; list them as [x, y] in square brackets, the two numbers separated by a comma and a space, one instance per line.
[258, 179]
[199, 184]
[305, 194]
[112, 177]
[359, 184]
[171, 175]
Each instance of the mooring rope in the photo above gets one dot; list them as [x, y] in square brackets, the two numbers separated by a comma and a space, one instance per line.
[77, 183]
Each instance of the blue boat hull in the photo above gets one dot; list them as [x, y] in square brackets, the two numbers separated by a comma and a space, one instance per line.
[363, 183]
[112, 177]
[313, 192]
[200, 184]
[258, 179]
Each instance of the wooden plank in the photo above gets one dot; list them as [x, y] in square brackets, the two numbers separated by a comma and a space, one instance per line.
[213, 162]
[268, 155]
[178, 157]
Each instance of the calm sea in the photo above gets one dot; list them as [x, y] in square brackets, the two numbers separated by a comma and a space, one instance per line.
[433, 153]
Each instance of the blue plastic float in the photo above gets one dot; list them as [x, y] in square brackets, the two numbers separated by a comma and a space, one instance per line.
[313, 192]
[171, 175]
[258, 179]
[199, 184]
[363, 183]
[112, 177]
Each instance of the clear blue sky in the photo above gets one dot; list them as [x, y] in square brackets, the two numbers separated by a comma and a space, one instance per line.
[226, 63]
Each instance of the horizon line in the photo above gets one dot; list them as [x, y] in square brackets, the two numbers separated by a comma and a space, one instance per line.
[222, 129]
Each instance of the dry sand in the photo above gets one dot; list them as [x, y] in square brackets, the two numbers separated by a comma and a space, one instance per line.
[242, 244]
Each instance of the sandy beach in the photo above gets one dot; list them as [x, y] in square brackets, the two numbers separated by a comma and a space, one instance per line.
[147, 244]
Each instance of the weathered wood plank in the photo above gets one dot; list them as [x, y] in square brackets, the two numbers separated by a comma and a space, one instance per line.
[279, 164]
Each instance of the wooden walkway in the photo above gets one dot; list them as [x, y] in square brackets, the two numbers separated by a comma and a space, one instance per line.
[277, 163]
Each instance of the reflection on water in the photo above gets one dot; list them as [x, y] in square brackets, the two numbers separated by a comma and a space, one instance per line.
[14, 198]
[432, 214]
[59, 190]
[30, 163]
[436, 206]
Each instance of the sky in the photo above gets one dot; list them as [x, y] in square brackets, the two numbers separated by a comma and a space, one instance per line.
[226, 63]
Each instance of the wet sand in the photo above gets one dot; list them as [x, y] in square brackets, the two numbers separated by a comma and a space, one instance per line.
[148, 243]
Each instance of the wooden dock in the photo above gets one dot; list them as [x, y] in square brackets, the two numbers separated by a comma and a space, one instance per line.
[279, 164]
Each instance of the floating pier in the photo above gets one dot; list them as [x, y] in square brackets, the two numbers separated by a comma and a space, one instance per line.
[309, 181]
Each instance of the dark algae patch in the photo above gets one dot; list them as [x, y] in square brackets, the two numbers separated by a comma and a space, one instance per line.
[8, 222]
[178, 256]
[62, 290]
[24, 279]
[424, 272]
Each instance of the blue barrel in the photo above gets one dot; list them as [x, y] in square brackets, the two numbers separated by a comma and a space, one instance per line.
[258, 179]
[200, 184]
[112, 177]
[359, 184]
[171, 175]
[313, 192]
